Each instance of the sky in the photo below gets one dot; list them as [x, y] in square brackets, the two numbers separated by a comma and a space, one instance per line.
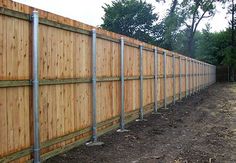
[91, 12]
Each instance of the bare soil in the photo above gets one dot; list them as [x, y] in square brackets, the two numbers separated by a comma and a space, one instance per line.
[201, 129]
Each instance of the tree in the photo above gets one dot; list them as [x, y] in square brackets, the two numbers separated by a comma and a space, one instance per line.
[231, 56]
[194, 11]
[208, 45]
[169, 27]
[133, 18]
[183, 19]
[216, 48]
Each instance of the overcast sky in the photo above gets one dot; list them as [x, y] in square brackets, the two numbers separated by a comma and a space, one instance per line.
[90, 11]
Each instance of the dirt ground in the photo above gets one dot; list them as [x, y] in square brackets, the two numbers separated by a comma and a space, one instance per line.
[200, 129]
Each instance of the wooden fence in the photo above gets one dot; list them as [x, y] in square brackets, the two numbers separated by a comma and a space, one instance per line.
[65, 79]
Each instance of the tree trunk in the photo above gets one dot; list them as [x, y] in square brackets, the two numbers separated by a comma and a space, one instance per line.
[232, 26]
[190, 45]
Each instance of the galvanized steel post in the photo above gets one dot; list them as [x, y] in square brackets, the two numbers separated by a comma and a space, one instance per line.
[202, 82]
[173, 78]
[94, 140]
[165, 100]
[190, 77]
[215, 75]
[186, 77]
[180, 78]
[94, 51]
[122, 112]
[197, 68]
[207, 75]
[201, 75]
[155, 79]
[141, 85]
[204, 65]
[194, 76]
[35, 83]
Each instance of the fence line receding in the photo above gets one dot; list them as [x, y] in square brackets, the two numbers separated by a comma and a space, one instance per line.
[66, 81]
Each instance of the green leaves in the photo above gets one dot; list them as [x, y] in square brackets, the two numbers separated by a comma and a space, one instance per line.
[216, 48]
[133, 18]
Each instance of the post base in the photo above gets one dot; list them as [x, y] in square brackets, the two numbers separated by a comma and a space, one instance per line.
[122, 130]
[141, 120]
[94, 143]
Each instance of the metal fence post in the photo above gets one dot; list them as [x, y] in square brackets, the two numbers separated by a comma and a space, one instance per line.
[198, 73]
[94, 141]
[203, 75]
[141, 85]
[200, 76]
[212, 74]
[194, 77]
[202, 82]
[197, 76]
[195, 69]
[35, 83]
[122, 112]
[207, 74]
[215, 75]
[204, 65]
[155, 79]
[180, 78]
[190, 78]
[173, 78]
[165, 100]
[186, 77]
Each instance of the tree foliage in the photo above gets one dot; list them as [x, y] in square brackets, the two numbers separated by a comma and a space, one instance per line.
[194, 12]
[169, 27]
[178, 30]
[216, 48]
[134, 18]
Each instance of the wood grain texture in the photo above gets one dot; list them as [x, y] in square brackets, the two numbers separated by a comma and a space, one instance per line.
[66, 108]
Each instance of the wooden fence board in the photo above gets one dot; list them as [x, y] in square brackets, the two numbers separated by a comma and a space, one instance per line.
[65, 54]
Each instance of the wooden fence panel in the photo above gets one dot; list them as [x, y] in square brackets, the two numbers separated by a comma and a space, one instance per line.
[65, 72]
[177, 79]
